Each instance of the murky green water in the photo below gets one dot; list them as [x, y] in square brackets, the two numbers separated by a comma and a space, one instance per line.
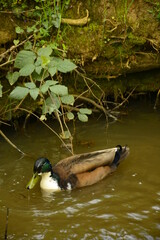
[125, 205]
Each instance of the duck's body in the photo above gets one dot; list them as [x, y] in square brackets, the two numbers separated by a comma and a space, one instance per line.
[78, 170]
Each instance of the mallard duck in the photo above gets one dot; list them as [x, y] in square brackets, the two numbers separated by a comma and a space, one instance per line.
[77, 171]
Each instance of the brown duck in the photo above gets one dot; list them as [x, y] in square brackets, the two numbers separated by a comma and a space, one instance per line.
[77, 171]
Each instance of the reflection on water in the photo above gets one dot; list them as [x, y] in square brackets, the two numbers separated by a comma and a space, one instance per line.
[126, 205]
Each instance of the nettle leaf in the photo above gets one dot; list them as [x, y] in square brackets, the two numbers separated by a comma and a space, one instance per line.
[52, 70]
[30, 85]
[70, 115]
[45, 60]
[50, 105]
[12, 77]
[47, 84]
[27, 70]
[85, 111]
[63, 66]
[60, 90]
[19, 93]
[82, 117]
[34, 93]
[68, 99]
[38, 69]
[38, 77]
[46, 51]
[1, 90]
[24, 58]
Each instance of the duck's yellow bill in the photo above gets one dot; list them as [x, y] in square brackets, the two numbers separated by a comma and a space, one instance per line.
[35, 178]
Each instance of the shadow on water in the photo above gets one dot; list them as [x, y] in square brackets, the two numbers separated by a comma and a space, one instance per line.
[126, 205]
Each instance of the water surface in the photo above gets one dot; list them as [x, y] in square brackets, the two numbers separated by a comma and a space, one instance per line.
[126, 205]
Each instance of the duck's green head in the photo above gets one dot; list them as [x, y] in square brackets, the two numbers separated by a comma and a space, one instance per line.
[42, 165]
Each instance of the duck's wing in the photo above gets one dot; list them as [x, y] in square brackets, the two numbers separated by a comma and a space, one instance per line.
[88, 161]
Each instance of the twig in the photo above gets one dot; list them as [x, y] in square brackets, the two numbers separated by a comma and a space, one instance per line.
[25, 110]
[6, 227]
[12, 144]
[14, 47]
[125, 100]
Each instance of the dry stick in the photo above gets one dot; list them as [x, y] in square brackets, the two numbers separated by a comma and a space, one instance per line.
[12, 144]
[6, 228]
[14, 47]
[77, 22]
[25, 110]
[125, 100]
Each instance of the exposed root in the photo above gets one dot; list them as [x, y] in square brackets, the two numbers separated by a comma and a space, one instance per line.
[77, 22]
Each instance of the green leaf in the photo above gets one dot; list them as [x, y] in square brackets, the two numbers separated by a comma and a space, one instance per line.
[27, 70]
[65, 135]
[30, 85]
[82, 117]
[85, 111]
[45, 60]
[63, 66]
[38, 69]
[47, 84]
[12, 77]
[34, 93]
[39, 77]
[1, 90]
[28, 45]
[68, 99]
[60, 90]
[16, 42]
[19, 30]
[46, 51]
[51, 104]
[24, 58]
[70, 115]
[52, 70]
[19, 93]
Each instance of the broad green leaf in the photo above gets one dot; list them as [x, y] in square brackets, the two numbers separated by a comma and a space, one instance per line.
[51, 104]
[60, 90]
[68, 99]
[63, 66]
[27, 70]
[12, 77]
[19, 93]
[38, 69]
[24, 58]
[34, 93]
[70, 115]
[28, 45]
[45, 60]
[46, 51]
[85, 111]
[47, 84]
[19, 30]
[52, 70]
[30, 85]
[82, 117]
[1, 90]
[38, 77]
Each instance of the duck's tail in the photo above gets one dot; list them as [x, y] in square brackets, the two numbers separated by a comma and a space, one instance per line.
[121, 154]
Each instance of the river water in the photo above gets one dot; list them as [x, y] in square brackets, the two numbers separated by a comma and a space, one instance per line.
[126, 205]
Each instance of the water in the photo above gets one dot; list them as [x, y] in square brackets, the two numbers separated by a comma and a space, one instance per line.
[126, 205]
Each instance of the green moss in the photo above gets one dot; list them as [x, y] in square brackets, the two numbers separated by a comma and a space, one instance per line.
[137, 40]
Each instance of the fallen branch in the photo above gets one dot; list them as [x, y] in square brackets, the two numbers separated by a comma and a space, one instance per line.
[12, 144]
[77, 22]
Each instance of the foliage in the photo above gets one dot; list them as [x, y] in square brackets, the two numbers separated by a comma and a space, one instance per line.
[38, 66]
